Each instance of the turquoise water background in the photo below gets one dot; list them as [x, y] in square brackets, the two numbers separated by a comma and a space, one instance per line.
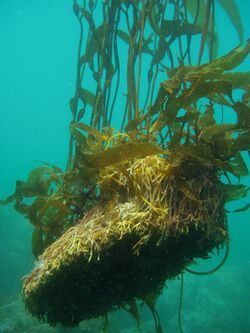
[38, 41]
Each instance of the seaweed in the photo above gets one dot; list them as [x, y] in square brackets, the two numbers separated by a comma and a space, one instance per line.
[170, 134]
[52, 200]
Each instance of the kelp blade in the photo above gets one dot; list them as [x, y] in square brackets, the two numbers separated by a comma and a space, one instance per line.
[122, 153]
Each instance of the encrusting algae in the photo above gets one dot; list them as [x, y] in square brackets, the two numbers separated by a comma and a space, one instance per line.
[147, 231]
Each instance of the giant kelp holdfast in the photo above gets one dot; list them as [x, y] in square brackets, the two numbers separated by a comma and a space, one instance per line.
[151, 227]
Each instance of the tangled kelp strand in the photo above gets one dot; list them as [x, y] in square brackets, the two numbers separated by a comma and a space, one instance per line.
[105, 213]
[125, 242]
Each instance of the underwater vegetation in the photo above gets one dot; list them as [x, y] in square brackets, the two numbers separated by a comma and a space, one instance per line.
[138, 204]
